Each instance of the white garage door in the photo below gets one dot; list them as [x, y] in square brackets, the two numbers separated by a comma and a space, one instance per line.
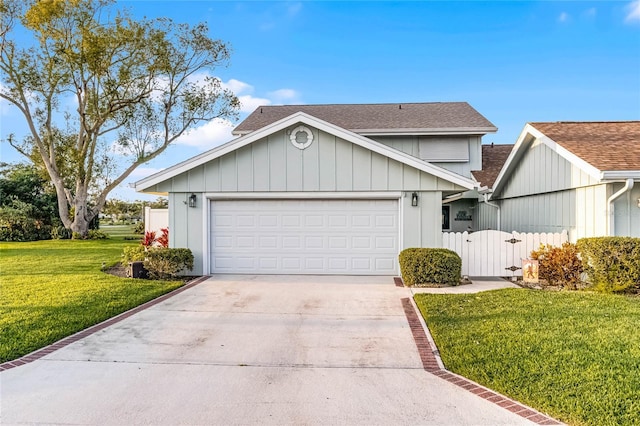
[357, 237]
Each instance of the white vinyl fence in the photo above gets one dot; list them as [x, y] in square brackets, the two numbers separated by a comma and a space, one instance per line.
[155, 219]
[497, 253]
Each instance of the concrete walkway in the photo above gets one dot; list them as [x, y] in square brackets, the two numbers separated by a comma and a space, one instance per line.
[249, 350]
[477, 285]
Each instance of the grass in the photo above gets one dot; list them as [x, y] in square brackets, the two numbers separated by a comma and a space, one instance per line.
[52, 289]
[575, 356]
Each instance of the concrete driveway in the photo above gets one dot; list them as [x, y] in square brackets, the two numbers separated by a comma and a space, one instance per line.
[249, 350]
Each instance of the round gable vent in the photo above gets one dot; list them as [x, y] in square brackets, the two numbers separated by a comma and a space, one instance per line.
[301, 137]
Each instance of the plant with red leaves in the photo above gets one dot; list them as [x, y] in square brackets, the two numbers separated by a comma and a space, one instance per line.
[149, 238]
[163, 240]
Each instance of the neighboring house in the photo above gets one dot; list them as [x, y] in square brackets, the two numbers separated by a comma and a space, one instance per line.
[323, 189]
[580, 176]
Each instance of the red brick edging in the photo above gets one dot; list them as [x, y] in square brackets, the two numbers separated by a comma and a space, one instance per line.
[433, 365]
[398, 281]
[95, 328]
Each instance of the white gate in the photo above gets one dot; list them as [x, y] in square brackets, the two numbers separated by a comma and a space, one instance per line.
[496, 253]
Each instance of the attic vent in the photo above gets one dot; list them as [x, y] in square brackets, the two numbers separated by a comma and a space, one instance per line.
[301, 137]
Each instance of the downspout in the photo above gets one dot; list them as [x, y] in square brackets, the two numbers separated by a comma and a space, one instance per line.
[486, 201]
[610, 207]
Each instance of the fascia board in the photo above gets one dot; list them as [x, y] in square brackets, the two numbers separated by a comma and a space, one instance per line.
[427, 132]
[609, 175]
[301, 117]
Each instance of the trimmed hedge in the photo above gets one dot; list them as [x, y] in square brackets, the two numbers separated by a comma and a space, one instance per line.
[611, 263]
[430, 266]
[165, 263]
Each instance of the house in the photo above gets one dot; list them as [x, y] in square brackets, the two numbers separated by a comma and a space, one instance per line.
[323, 189]
[579, 176]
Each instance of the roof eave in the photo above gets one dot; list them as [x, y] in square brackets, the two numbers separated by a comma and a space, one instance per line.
[409, 131]
[614, 175]
[237, 143]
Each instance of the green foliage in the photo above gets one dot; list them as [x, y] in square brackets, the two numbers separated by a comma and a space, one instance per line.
[559, 266]
[573, 355]
[133, 254]
[430, 266]
[165, 263]
[60, 233]
[612, 264]
[52, 289]
[133, 79]
[96, 234]
[139, 228]
[28, 205]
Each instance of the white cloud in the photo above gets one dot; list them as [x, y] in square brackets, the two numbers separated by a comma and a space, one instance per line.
[237, 86]
[633, 9]
[282, 96]
[209, 135]
[591, 12]
[248, 103]
[564, 17]
[143, 172]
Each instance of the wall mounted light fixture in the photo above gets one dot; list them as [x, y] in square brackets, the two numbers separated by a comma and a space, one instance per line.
[414, 199]
[638, 202]
[192, 200]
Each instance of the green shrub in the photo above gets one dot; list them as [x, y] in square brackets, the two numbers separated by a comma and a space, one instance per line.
[59, 232]
[611, 263]
[133, 254]
[559, 266]
[167, 262]
[96, 234]
[430, 266]
[139, 228]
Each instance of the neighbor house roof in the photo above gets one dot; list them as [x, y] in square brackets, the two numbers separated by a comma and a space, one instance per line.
[606, 145]
[493, 158]
[303, 118]
[606, 150]
[380, 119]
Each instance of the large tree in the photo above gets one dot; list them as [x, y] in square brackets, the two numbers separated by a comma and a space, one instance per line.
[134, 87]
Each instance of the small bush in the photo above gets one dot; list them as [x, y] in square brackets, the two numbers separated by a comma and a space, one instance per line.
[133, 254]
[430, 265]
[139, 228]
[559, 266]
[149, 238]
[163, 240]
[60, 233]
[612, 264]
[96, 234]
[167, 262]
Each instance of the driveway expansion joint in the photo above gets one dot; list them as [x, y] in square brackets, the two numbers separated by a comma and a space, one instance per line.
[430, 357]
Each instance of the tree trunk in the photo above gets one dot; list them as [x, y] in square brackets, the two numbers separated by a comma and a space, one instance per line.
[81, 215]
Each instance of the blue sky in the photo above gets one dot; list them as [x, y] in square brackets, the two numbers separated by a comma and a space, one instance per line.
[514, 62]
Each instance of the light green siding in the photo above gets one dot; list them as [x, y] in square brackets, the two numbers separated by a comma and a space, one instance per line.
[542, 170]
[626, 212]
[186, 226]
[422, 225]
[273, 164]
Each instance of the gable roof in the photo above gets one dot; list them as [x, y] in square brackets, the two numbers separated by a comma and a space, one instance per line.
[493, 158]
[294, 119]
[380, 119]
[606, 145]
[606, 150]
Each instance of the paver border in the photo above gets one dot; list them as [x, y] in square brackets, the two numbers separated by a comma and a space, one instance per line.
[65, 341]
[432, 363]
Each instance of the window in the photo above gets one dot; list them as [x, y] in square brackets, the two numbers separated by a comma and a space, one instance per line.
[446, 210]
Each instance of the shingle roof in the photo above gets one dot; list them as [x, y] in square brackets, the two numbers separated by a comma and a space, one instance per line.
[379, 118]
[493, 158]
[607, 145]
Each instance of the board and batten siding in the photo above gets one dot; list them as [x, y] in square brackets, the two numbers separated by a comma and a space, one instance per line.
[273, 164]
[459, 154]
[542, 170]
[329, 165]
[581, 211]
[626, 213]
[485, 217]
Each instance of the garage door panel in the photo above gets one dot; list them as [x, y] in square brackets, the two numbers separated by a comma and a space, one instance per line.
[304, 236]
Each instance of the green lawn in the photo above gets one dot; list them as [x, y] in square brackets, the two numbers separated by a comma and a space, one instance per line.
[573, 355]
[51, 289]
